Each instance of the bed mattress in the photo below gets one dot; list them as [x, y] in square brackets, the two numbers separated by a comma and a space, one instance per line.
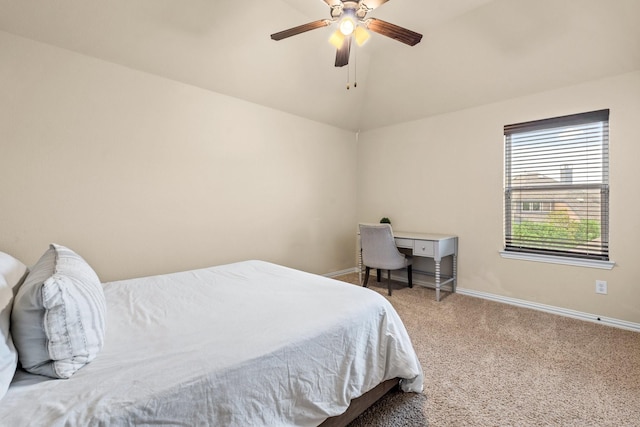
[243, 344]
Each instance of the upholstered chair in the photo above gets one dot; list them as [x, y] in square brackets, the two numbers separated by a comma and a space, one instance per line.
[379, 251]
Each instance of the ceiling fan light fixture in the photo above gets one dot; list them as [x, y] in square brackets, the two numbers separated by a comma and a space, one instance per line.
[347, 26]
[337, 39]
[361, 35]
[350, 16]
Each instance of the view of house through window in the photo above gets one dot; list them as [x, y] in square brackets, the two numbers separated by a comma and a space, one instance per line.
[557, 186]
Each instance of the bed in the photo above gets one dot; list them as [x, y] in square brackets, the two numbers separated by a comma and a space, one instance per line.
[244, 344]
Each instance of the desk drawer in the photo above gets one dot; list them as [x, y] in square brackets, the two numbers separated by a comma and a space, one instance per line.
[423, 248]
[404, 243]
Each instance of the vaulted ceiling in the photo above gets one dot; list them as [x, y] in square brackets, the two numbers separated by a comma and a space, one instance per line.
[473, 51]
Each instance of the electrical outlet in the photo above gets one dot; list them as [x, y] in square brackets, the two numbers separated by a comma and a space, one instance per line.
[601, 287]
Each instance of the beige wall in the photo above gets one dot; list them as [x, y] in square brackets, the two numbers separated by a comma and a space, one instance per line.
[445, 174]
[142, 175]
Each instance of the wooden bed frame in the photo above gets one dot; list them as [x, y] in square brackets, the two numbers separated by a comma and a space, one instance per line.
[361, 404]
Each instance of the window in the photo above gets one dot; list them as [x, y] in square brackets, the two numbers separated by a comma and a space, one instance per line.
[556, 194]
[533, 206]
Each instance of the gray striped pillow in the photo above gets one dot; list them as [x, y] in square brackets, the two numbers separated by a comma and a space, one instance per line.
[59, 313]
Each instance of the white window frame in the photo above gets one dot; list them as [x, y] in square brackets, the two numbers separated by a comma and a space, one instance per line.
[518, 249]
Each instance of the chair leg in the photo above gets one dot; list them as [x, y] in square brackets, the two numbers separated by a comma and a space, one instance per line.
[389, 281]
[379, 276]
[366, 276]
[409, 276]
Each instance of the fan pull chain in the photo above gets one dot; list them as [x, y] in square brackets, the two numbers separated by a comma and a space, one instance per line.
[355, 66]
[355, 70]
[348, 87]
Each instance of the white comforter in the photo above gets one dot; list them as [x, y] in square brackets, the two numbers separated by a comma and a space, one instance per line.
[245, 344]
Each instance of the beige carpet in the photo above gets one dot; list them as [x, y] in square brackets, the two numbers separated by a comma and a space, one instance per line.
[492, 364]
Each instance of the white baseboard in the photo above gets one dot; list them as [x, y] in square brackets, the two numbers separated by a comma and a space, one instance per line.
[341, 272]
[397, 276]
[594, 318]
[589, 317]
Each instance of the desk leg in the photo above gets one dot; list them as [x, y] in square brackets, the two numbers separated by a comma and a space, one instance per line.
[359, 258]
[455, 272]
[359, 263]
[437, 280]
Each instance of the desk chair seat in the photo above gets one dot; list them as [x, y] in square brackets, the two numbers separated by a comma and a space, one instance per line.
[379, 251]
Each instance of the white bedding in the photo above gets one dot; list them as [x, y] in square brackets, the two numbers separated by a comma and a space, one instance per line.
[244, 344]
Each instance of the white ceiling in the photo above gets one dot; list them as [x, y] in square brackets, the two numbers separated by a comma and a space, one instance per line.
[473, 51]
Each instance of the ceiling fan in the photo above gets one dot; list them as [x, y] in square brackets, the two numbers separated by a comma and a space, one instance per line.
[351, 16]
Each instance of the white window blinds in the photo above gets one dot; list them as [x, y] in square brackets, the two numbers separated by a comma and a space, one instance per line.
[556, 193]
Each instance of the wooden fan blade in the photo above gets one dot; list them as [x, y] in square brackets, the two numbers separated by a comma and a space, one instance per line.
[301, 29]
[395, 32]
[372, 4]
[333, 2]
[342, 54]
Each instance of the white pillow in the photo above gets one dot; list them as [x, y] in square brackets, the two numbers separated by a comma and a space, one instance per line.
[12, 273]
[58, 318]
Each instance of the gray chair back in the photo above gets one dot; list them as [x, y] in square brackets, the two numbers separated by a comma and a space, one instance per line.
[379, 248]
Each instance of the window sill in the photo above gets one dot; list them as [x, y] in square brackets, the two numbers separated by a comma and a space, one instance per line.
[591, 263]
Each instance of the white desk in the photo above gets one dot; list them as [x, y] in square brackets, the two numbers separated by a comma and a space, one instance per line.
[427, 245]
